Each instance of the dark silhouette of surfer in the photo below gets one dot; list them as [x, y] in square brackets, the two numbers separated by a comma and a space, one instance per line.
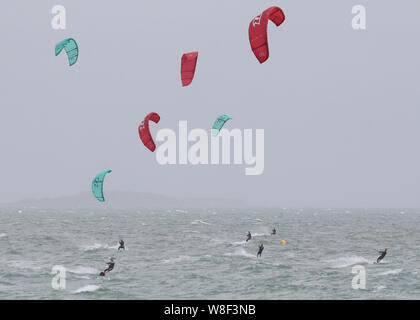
[111, 265]
[260, 250]
[382, 255]
[248, 236]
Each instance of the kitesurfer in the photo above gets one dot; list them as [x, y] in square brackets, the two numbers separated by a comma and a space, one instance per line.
[110, 264]
[273, 232]
[249, 236]
[382, 255]
[260, 250]
[121, 245]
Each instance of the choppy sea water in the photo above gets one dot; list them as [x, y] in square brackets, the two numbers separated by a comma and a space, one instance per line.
[202, 254]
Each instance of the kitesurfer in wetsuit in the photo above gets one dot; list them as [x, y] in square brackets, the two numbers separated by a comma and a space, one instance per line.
[382, 255]
[260, 250]
[249, 236]
[121, 245]
[110, 264]
[273, 232]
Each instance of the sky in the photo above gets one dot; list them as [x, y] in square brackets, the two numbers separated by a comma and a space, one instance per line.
[339, 107]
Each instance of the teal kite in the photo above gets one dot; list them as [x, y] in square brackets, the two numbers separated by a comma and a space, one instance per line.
[219, 123]
[97, 185]
[71, 48]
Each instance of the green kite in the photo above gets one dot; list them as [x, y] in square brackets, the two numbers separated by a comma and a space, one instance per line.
[219, 123]
[71, 48]
[97, 185]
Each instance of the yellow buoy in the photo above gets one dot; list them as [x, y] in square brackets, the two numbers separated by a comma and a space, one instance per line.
[283, 243]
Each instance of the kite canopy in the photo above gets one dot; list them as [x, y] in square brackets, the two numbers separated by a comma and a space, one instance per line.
[71, 48]
[219, 123]
[97, 185]
[144, 131]
[258, 31]
[188, 63]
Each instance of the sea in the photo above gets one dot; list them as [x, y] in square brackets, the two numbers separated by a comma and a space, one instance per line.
[183, 254]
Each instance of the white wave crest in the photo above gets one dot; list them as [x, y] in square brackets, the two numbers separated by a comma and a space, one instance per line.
[241, 252]
[260, 234]
[178, 259]
[395, 271]
[238, 243]
[88, 288]
[83, 270]
[343, 262]
[199, 221]
[379, 288]
[98, 246]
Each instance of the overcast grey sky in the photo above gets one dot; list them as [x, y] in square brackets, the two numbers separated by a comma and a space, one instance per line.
[340, 108]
